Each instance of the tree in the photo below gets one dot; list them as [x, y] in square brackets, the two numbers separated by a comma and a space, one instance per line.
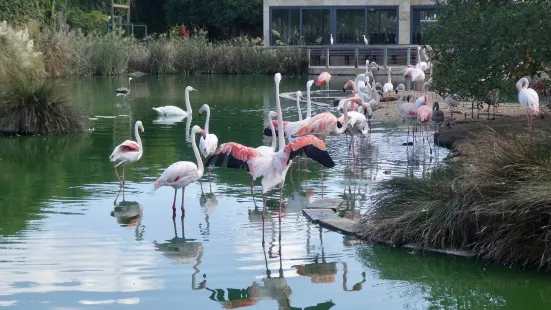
[223, 18]
[479, 46]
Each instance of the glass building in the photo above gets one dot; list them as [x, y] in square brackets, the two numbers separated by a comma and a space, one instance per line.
[310, 22]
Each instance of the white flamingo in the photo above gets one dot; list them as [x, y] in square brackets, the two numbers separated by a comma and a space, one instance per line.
[417, 77]
[209, 142]
[170, 110]
[407, 110]
[529, 99]
[182, 173]
[271, 165]
[299, 96]
[123, 91]
[388, 87]
[365, 40]
[127, 152]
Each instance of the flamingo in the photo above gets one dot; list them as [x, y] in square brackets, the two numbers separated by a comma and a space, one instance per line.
[268, 163]
[171, 110]
[323, 79]
[423, 99]
[424, 115]
[422, 65]
[350, 83]
[299, 96]
[323, 124]
[288, 126]
[365, 40]
[182, 173]
[123, 91]
[452, 101]
[407, 110]
[388, 87]
[127, 152]
[357, 124]
[208, 143]
[416, 74]
[529, 99]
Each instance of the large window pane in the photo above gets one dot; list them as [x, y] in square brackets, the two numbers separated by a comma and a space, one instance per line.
[285, 27]
[315, 26]
[350, 26]
[422, 19]
[381, 25]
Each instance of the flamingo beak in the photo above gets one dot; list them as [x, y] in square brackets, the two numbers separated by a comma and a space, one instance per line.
[344, 90]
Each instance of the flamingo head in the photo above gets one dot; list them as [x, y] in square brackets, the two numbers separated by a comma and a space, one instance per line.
[272, 114]
[197, 129]
[202, 109]
[277, 78]
[435, 106]
[140, 126]
[309, 84]
[189, 88]
[129, 79]
[299, 94]
[407, 98]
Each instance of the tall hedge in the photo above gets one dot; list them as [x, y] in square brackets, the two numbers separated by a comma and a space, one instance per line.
[20, 11]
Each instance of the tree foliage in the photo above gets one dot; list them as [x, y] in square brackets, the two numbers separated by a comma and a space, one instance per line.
[478, 46]
[223, 18]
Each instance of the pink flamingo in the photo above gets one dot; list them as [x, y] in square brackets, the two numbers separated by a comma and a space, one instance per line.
[323, 124]
[269, 164]
[323, 79]
[127, 152]
[529, 99]
[350, 83]
[424, 115]
[182, 173]
[417, 76]
[357, 125]
[407, 110]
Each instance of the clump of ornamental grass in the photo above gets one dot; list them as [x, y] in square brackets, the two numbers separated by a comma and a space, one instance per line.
[37, 108]
[496, 204]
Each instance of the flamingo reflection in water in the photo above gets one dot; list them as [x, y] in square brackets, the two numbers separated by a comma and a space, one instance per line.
[325, 272]
[273, 288]
[181, 251]
[129, 214]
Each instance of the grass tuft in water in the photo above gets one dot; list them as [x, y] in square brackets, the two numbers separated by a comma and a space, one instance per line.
[496, 204]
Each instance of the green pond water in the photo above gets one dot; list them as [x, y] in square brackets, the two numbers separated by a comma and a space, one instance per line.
[65, 243]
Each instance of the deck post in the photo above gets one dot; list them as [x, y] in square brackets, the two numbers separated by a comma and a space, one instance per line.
[409, 56]
[308, 55]
[385, 55]
[327, 58]
[356, 56]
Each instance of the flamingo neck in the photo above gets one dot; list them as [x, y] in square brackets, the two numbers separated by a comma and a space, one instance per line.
[298, 108]
[207, 109]
[272, 128]
[200, 167]
[389, 80]
[308, 102]
[353, 89]
[345, 121]
[399, 101]
[138, 138]
[188, 105]
[279, 120]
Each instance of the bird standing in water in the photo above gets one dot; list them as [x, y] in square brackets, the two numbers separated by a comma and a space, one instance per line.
[127, 152]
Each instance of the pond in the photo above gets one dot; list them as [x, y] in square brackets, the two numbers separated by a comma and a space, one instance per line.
[65, 243]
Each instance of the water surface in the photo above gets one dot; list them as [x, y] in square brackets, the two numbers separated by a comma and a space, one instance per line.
[65, 243]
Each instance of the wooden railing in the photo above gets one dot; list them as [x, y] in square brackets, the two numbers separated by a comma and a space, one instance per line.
[354, 56]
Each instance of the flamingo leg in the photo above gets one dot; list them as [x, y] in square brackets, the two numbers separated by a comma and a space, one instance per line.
[123, 178]
[174, 205]
[353, 152]
[252, 194]
[280, 199]
[321, 181]
[263, 212]
[182, 207]
[115, 169]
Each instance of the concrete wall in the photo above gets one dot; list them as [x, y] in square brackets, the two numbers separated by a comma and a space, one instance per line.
[404, 23]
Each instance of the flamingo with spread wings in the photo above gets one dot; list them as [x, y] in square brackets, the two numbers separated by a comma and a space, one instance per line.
[127, 152]
[268, 163]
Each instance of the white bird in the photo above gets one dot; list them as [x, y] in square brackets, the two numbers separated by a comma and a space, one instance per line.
[209, 142]
[299, 96]
[182, 173]
[365, 40]
[123, 91]
[127, 152]
[529, 99]
[388, 87]
[170, 110]
[407, 110]
[331, 39]
[417, 76]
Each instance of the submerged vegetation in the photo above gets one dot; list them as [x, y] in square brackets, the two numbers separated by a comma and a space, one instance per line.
[496, 204]
[29, 104]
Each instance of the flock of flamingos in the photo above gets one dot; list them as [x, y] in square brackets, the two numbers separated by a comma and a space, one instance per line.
[305, 137]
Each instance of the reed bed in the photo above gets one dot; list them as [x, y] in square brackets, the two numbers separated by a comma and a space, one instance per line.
[495, 204]
[71, 53]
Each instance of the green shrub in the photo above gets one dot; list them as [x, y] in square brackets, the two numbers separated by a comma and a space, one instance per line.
[88, 22]
[497, 205]
[36, 108]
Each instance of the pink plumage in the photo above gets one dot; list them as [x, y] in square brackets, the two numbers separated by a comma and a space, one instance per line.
[424, 113]
[323, 79]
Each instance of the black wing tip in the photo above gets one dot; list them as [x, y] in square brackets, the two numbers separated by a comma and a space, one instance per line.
[336, 102]
[339, 124]
[268, 132]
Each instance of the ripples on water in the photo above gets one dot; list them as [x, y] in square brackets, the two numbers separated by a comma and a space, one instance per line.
[65, 244]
